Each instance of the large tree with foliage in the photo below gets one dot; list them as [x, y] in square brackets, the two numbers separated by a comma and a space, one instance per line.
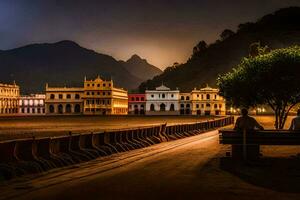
[272, 78]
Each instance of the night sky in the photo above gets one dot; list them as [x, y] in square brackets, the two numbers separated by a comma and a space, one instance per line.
[163, 31]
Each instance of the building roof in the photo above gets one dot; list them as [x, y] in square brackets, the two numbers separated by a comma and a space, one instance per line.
[162, 88]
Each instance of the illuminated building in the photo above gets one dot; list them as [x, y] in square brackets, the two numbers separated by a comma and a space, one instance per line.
[185, 104]
[162, 101]
[64, 100]
[32, 105]
[207, 101]
[136, 104]
[9, 94]
[102, 98]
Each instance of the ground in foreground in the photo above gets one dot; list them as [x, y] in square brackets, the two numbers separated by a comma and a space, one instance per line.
[188, 168]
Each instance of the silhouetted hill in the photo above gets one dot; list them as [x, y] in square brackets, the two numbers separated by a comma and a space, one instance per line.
[61, 63]
[277, 30]
[141, 68]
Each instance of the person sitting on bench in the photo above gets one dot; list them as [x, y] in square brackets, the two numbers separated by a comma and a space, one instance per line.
[247, 122]
[295, 125]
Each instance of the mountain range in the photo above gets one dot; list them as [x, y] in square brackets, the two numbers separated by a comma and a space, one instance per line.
[66, 63]
[276, 30]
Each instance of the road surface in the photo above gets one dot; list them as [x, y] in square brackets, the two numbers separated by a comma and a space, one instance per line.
[183, 169]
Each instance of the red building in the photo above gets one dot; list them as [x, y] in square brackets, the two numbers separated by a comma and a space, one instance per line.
[136, 104]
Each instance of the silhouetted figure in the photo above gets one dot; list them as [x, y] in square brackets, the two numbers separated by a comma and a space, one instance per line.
[295, 125]
[247, 122]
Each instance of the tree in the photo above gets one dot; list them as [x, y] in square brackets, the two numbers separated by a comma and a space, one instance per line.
[226, 34]
[201, 46]
[271, 78]
[256, 49]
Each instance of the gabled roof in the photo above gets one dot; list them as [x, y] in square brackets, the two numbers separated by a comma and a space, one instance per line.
[162, 88]
[207, 88]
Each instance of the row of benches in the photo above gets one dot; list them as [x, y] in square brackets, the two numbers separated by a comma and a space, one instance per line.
[35, 155]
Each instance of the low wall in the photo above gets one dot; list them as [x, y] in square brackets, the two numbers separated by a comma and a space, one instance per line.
[24, 156]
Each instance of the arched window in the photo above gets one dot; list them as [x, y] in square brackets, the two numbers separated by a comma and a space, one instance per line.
[163, 95]
[207, 105]
[207, 96]
[215, 106]
[142, 111]
[162, 107]
[136, 109]
[152, 107]
[187, 105]
[51, 109]
[182, 98]
[52, 96]
[68, 108]
[68, 96]
[77, 96]
[187, 98]
[60, 109]
[172, 107]
[77, 108]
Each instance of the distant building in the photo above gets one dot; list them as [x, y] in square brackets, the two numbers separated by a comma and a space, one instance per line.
[207, 101]
[9, 94]
[185, 104]
[102, 98]
[32, 105]
[136, 104]
[162, 101]
[64, 100]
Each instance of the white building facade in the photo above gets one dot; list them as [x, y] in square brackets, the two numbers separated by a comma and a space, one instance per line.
[32, 105]
[162, 101]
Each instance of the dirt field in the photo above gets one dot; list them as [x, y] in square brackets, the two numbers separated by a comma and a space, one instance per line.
[22, 127]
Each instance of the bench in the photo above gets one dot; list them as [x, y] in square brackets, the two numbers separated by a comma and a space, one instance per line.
[248, 147]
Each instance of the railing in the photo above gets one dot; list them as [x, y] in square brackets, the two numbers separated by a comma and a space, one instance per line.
[33, 155]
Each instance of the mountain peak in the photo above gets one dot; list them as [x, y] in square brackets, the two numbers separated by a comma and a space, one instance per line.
[67, 43]
[135, 58]
[139, 67]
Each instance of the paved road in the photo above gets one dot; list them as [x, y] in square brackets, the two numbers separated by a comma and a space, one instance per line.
[183, 169]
